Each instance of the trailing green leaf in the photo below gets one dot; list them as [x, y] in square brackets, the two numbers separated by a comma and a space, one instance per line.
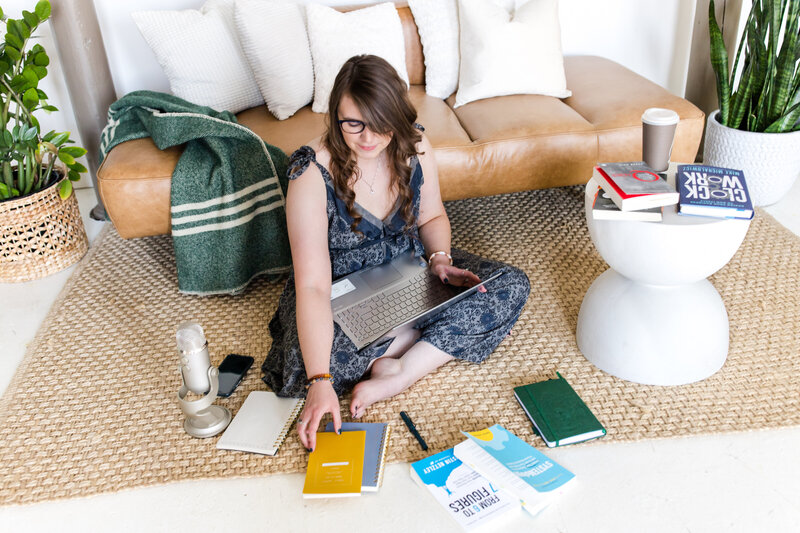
[30, 98]
[14, 41]
[77, 167]
[65, 189]
[60, 138]
[12, 53]
[30, 18]
[65, 157]
[74, 151]
[42, 10]
[41, 59]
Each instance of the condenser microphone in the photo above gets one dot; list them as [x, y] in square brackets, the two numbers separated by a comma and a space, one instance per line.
[200, 377]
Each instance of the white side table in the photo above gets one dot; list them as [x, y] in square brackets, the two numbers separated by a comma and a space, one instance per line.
[653, 317]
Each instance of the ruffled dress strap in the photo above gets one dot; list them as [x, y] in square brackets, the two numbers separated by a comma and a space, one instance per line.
[299, 161]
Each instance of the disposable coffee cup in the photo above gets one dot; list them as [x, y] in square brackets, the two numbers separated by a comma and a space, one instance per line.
[658, 135]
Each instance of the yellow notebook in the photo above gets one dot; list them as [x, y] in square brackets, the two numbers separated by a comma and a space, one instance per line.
[336, 465]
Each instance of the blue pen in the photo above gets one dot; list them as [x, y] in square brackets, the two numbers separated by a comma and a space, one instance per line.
[413, 429]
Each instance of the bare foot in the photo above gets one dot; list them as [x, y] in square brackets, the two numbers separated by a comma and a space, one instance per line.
[385, 381]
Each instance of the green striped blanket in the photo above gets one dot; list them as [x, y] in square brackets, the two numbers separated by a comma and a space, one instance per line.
[228, 217]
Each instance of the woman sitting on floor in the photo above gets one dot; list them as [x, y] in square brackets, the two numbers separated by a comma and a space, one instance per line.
[364, 193]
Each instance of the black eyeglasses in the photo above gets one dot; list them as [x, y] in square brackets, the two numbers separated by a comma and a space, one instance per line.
[351, 125]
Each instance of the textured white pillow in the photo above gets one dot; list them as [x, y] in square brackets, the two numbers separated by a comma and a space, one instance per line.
[275, 43]
[200, 55]
[503, 54]
[437, 24]
[335, 37]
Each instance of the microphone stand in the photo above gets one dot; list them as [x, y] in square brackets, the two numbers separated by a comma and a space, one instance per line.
[202, 418]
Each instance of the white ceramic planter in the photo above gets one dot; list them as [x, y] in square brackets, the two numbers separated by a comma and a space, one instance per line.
[770, 161]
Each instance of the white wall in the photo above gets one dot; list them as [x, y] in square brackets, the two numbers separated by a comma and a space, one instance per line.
[651, 37]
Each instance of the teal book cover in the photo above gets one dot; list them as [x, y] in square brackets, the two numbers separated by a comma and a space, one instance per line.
[521, 459]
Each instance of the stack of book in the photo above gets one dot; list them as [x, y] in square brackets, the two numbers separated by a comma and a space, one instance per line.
[490, 475]
[631, 191]
[347, 464]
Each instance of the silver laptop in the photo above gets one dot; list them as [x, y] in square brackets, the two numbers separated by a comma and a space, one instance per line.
[371, 304]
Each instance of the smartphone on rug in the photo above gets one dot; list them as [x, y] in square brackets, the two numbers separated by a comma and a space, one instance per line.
[231, 371]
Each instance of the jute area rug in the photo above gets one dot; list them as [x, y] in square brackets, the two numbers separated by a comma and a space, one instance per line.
[93, 406]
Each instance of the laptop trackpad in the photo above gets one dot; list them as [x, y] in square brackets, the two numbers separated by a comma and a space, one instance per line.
[381, 276]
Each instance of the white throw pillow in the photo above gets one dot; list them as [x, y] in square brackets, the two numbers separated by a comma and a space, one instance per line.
[275, 43]
[504, 53]
[335, 37]
[200, 55]
[437, 24]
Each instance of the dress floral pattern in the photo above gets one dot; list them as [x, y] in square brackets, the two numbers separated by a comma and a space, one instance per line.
[469, 330]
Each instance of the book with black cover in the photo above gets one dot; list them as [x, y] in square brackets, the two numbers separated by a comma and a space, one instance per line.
[558, 413]
[713, 192]
[633, 185]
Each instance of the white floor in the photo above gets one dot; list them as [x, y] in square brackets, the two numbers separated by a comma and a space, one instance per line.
[740, 482]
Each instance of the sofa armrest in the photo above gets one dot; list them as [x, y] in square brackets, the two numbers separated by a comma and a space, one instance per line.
[138, 207]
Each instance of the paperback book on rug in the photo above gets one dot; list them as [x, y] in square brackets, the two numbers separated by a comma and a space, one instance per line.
[515, 466]
[469, 498]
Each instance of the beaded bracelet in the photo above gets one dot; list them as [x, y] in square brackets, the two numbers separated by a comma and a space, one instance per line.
[319, 377]
[440, 252]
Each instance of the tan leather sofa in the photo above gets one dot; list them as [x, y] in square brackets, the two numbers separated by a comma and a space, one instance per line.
[492, 146]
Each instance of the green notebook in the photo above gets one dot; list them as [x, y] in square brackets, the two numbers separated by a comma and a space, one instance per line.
[558, 413]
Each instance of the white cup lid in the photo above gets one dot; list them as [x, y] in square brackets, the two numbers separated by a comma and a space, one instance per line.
[658, 116]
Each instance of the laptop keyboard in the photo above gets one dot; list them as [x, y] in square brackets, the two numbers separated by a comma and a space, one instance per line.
[377, 315]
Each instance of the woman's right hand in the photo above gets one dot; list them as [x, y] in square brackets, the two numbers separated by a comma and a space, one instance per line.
[320, 399]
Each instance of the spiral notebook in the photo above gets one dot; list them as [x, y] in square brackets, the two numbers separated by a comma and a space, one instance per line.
[262, 423]
[377, 441]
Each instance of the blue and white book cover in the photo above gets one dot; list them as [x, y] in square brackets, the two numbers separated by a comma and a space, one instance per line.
[521, 459]
[713, 191]
[467, 496]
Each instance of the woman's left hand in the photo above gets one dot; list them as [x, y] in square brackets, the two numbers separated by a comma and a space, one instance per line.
[452, 275]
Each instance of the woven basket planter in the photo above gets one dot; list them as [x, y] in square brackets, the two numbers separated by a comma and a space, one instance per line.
[40, 234]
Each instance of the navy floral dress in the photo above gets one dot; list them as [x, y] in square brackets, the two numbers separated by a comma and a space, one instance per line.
[469, 330]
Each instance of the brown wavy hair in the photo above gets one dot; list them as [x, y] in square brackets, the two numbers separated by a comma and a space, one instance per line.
[382, 97]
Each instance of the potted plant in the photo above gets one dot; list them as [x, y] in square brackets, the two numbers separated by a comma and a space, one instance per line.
[41, 230]
[757, 126]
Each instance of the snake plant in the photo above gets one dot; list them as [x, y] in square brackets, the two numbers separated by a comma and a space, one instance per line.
[762, 91]
[30, 161]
